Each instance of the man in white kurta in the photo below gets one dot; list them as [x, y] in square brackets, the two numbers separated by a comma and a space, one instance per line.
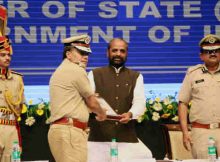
[123, 90]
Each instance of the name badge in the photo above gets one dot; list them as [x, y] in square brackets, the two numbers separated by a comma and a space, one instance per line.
[199, 81]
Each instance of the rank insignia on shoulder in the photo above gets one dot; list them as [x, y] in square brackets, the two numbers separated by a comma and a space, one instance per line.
[14, 72]
[194, 68]
[199, 81]
[204, 70]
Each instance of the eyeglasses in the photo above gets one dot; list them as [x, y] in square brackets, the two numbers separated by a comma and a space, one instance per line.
[209, 52]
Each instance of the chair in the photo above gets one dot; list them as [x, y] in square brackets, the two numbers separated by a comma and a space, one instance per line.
[176, 143]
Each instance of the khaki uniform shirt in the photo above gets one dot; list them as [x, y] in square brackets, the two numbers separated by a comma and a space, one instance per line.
[69, 86]
[202, 89]
[15, 86]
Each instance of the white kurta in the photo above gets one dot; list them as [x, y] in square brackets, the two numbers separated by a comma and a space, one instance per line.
[100, 151]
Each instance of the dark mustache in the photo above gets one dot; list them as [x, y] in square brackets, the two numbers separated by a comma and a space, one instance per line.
[117, 57]
[212, 56]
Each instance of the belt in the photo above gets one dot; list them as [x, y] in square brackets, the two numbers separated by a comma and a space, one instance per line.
[7, 116]
[71, 121]
[7, 122]
[206, 126]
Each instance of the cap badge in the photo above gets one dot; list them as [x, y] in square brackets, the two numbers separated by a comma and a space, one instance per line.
[87, 40]
[212, 40]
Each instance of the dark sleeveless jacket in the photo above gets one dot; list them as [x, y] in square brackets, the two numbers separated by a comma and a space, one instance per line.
[117, 89]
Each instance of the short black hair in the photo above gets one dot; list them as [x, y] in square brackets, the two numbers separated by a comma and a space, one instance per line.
[66, 48]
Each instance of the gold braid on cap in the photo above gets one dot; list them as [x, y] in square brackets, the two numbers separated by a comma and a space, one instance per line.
[9, 98]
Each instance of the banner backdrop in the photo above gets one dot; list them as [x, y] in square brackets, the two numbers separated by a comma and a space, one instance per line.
[163, 35]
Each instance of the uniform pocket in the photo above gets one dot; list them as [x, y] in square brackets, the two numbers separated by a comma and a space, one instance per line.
[199, 88]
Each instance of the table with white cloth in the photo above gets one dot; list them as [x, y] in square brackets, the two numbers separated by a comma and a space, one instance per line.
[188, 160]
[153, 160]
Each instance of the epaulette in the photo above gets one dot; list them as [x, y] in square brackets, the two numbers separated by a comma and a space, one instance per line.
[193, 68]
[14, 72]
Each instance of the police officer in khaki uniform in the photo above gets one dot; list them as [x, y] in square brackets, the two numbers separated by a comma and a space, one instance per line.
[71, 100]
[11, 99]
[201, 87]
